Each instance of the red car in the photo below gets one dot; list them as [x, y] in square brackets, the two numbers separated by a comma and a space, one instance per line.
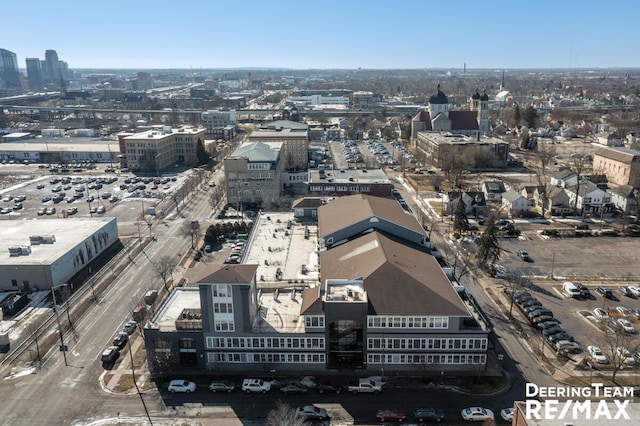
[391, 415]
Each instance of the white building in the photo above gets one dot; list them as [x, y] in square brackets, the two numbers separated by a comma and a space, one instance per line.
[43, 253]
[216, 118]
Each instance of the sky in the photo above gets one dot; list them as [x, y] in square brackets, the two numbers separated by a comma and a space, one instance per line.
[325, 34]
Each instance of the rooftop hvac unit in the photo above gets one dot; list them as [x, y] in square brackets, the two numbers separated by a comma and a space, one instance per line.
[19, 251]
[42, 239]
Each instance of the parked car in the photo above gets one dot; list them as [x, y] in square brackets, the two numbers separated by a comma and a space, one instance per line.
[255, 385]
[182, 386]
[539, 312]
[625, 356]
[543, 325]
[476, 414]
[208, 248]
[596, 355]
[428, 415]
[635, 290]
[627, 326]
[622, 310]
[552, 330]
[600, 313]
[558, 337]
[42, 211]
[605, 292]
[625, 291]
[294, 388]
[329, 387]
[507, 414]
[584, 290]
[45, 198]
[524, 255]
[391, 415]
[110, 354]
[129, 327]
[531, 302]
[311, 412]
[532, 308]
[120, 340]
[222, 386]
[568, 346]
[542, 318]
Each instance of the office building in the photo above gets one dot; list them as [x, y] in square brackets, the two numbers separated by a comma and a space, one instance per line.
[295, 137]
[34, 74]
[9, 74]
[160, 148]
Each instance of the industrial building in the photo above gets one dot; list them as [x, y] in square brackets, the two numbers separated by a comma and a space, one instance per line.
[40, 254]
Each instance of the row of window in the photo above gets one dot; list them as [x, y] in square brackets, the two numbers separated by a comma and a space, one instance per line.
[243, 357]
[409, 343]
[221, 325]
[314, 321]
[407, 322]
[265, 342]
[258, 166]
[221, 290]
[426, 359]
[321, 188]
[223, 308]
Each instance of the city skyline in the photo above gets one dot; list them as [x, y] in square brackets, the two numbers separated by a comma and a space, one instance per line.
[337, 35]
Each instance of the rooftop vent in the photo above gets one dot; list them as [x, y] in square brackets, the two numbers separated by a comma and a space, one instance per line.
[19, 251]
[42, 239]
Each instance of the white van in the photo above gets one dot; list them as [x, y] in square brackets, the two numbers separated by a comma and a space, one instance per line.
[571, 289]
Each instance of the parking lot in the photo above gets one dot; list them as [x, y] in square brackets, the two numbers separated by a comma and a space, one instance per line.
[586, 258]
[35, 193]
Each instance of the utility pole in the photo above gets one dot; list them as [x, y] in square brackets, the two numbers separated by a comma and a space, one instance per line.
[63, 348]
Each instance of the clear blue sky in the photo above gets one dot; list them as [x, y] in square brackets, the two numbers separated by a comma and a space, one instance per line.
[325, 34]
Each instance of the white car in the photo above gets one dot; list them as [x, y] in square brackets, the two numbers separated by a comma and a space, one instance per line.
[476, 414]
[600, 313]
[622, 310]
[255, 385]
[625, 356]
[635, 290]
[596, 354]
[627, 326]
[507, 414]
[183, 386]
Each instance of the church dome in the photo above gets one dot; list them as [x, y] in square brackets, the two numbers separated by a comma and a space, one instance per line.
[475, 95]
[439, 98]
[484, 97]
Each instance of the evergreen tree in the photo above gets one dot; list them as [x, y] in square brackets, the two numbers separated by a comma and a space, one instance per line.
[517, 115]
[460, 220]
[530, 117]
[488, 246]
[201, 153]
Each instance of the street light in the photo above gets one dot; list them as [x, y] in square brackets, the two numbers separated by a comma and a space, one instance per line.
[63, 348]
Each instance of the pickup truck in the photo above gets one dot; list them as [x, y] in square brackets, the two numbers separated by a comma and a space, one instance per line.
[365, 386]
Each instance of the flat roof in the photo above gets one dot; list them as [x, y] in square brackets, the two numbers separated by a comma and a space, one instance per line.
[441, 138]
[279, 311]
[68, 233]
[158, 134]
[181, 299]
[348, 176]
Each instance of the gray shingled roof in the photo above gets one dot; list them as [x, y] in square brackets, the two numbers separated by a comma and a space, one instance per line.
[398, 279]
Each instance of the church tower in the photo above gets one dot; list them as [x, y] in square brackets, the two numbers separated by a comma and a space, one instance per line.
[483, 113]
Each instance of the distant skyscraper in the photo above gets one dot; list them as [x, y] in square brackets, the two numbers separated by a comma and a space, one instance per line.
[52, 67]
[34, 73]
[9, 75]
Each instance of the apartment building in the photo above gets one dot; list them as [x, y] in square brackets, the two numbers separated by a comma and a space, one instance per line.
[253, 174]
[162, 147]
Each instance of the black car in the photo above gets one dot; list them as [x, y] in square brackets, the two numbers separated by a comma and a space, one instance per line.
[530, 302]
[605, 292]
[550, 331]
[539, 312]
[533, 308]
[560, 336]
[547, 324]
[428, 414]
[120, 340]
[329, 387]
[584, 290]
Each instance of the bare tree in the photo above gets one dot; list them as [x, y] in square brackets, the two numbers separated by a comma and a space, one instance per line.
[284, 415]
[164, 269]
[191, 228]
[580, 167]
[617, 346]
